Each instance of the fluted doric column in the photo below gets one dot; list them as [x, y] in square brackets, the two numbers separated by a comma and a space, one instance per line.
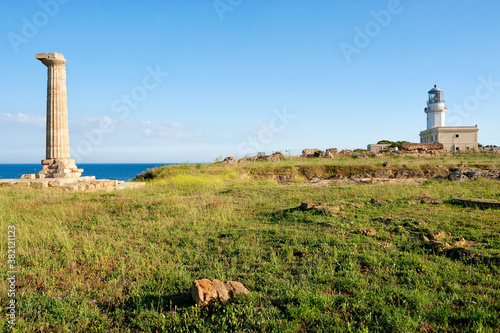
[57, 163]
[57, 106]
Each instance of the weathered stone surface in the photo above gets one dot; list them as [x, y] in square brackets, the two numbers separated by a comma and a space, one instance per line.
[367, 232]
[57, 163]
[230, 159]
[484, 204]
[320, 208]
[438, 245]
[422, 146]
[205, 292]
[437, 235]
[383, 174]
[277, 156]
[71, 184]
[460, 243]
[330, 153]
[310, 152]
[345, 152]
[431, 201]
[236, 289]
[457, 176]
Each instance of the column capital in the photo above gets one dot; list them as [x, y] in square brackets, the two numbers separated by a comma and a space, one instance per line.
[49, 59]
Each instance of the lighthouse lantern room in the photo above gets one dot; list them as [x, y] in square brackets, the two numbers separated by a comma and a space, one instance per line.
[435, 109]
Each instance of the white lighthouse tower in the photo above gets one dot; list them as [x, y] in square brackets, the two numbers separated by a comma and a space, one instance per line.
[435, 108]
[453, 138]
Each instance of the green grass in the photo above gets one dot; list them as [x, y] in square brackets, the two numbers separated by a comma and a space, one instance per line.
[136, 252]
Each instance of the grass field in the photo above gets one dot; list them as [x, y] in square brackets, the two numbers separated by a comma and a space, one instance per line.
[125, 261]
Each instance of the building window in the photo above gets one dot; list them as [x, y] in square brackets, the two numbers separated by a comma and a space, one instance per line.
[421, 140]
[457, 135]
[456, 148]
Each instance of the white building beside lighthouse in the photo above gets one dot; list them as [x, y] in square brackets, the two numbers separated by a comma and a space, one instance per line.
[454, 138]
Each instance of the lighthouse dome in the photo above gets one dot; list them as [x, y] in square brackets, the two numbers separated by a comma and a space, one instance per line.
[435, 96]
[435, 89]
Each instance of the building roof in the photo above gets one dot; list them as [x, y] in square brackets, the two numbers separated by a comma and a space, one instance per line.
[458, 129]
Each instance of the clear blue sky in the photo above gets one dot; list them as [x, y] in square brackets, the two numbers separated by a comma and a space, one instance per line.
[234, 65]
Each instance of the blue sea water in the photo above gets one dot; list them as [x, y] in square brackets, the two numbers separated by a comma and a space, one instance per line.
[122, 171]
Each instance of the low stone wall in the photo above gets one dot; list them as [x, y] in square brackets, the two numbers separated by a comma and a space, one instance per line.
[422, 146]
[70, 184]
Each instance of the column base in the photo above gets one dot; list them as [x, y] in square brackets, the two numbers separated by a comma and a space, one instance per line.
[59, 168]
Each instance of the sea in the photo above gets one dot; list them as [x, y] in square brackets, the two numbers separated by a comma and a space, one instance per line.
[118, 171]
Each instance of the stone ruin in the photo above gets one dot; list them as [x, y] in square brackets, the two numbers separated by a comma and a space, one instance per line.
[58, 170]
[275, 157]
[57, 163]
[419, 149]
[422, 147]
[329, 153]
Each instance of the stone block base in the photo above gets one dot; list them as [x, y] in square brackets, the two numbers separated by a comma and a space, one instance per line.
[59, 168]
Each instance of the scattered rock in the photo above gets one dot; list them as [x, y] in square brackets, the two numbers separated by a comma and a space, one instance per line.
[460, 243]
[330, 153]
[310, 152]
[230, 159]
[276, 157]
[431, 201]
[423, 238]
[367, 232]
[355, 205]
[345, 152]
[457, 175]
[386, 164]
[437, 245]
[484, 204]
[205, 291]
[437, 235]
[386, 245]
[320, 208]
[360, 156]
[236, 289]
[308, 205]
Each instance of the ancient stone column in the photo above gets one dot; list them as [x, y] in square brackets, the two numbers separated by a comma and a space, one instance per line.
[57, 163]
